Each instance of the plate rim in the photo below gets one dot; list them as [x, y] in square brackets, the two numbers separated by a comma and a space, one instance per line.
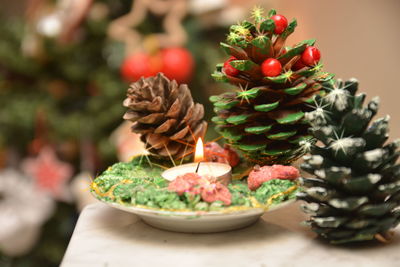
[154, 211]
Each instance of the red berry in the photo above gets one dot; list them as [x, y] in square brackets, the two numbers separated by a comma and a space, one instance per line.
[271, 67]
[229, 69]
[177, 64]
[311, 56]
[280, 23]
[282, 52]
[139, 65]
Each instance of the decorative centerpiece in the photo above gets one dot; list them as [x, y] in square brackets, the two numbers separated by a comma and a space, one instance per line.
[183, 185]
[283, 105]
[190, 197]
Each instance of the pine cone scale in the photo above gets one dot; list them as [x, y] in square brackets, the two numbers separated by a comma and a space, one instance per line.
[199, 130]
[166, 126]
[174, 110]
[156, 105]
[156, 141]
[132, 116]
[198, 113]
[188, 115]
[141, 128]
[153, 118]
[180, 134]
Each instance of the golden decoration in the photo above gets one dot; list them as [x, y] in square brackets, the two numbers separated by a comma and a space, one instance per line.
[123, 28]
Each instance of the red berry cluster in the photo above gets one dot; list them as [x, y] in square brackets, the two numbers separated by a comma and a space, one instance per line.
[271, 67]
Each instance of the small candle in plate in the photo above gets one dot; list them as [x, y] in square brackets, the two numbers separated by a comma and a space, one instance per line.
[221, 171]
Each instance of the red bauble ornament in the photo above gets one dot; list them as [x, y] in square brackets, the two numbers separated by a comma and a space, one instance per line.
[229, 69]
[310, 56]
[140, 65]
[271, 67]
[177, 64]
[280, 23]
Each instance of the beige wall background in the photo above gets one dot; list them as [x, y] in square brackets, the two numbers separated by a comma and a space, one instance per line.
[357, 38]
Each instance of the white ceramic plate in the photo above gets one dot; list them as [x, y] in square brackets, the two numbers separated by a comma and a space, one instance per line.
[197, 222]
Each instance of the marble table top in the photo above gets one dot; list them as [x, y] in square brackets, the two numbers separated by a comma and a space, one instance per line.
[109, 237]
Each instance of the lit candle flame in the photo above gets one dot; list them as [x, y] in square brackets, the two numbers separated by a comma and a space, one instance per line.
[199, 153]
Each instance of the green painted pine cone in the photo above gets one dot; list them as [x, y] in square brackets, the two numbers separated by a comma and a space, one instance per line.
[264, 116]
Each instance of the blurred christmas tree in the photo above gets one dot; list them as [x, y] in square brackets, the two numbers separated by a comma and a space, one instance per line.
[60, 93]
[60, 99]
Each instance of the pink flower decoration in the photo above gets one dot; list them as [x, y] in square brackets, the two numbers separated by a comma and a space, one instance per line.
[185, 183]
[260, 175]
[216, 191]
[213, 152]
[209, 189]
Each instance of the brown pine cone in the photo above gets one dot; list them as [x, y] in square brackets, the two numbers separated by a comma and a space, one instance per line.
[164, 113]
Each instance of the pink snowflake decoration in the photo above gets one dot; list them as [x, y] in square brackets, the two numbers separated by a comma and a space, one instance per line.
[49, 173]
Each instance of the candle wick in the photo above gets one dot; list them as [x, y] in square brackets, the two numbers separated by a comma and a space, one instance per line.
[198, 166]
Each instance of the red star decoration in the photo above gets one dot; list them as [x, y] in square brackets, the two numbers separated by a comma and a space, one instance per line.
[49, 173]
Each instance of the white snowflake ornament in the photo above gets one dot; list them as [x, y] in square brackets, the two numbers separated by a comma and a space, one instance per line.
[23, 210]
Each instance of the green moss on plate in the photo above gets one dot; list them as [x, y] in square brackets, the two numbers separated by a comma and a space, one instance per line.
[139, 183]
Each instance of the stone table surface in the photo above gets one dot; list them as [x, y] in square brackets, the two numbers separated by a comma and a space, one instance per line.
[105, 236]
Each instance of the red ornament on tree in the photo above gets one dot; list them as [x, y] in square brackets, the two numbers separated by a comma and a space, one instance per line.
[49, 173]
[271, 67]
[311, 56]
[280, 23]
[140, 65]
[229, 69]
[177, 64]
